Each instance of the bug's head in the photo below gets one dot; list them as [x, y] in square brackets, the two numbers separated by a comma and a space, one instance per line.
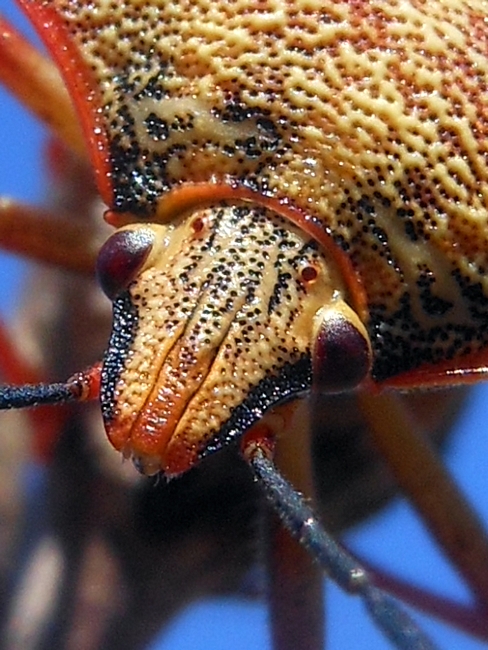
[217, 317]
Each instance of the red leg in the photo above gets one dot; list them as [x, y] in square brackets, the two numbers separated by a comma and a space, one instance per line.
[295, 581]
[36, 82]
[426, 482]
[43, 237]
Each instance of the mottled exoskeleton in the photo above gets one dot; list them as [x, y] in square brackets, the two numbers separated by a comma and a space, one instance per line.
[301, 189]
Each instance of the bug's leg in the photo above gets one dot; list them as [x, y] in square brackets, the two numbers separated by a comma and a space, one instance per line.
[444, 510]
[14, 369]
[43, 237]
[341, 360]
[39, 563]
[66, 236]
[471, 619]
[300, 520]
[37, 234]
[55, 541]
[36, 82]
[295, 592]
[295, 581]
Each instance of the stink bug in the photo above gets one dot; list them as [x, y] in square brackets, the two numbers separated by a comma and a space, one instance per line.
[300, 203]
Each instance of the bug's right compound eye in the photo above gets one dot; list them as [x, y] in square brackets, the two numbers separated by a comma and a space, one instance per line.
[121, 257]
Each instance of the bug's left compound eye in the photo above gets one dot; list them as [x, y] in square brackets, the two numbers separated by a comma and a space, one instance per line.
[121, 257]
[342, 355]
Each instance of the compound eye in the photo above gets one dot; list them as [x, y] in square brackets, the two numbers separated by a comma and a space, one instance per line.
[121, 257]
[342, 355]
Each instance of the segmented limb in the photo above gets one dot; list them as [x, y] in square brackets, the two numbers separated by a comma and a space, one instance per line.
[428, 486]
[473, 620]
[13, 368]
[301, 522]
[42, 237]
[295, 580]
[36, 82]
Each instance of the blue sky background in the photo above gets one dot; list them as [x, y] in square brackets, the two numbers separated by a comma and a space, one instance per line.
[394, 538]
